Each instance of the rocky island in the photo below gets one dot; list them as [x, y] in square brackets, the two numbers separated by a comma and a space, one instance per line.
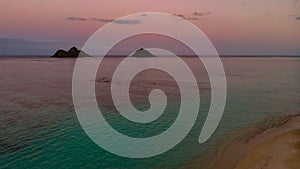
[141, 53]
[74, 53]
[71, 53]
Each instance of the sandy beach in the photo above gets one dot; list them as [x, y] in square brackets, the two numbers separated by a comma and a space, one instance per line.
[276, 148]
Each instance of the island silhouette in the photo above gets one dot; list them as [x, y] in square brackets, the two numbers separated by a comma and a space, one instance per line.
[142, 53]
[71, 53]
[74, 53]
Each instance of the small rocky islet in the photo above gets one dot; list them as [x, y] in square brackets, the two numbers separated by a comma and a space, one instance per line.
[142, 53]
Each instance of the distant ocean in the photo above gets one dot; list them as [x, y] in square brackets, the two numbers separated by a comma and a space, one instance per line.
[39, 127]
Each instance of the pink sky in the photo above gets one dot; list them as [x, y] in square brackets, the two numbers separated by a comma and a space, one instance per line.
[234, 26]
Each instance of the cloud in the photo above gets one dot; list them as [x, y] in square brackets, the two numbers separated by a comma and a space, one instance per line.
[195, 15]
[15, 46]
[4, 40]
[102, 20]
[119, 21]
[202, 13]
[72, 18]
[123, 21]
[186, 18]
[179, 15]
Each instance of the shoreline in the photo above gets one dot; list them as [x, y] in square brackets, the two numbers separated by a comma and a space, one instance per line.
[264, 149]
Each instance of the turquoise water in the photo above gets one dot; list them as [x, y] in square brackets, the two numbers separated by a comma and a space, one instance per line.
[39, 128]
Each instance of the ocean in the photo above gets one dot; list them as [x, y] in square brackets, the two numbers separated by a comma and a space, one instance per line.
[39, 127]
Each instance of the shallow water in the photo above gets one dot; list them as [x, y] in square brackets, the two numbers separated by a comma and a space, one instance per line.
[39, 128]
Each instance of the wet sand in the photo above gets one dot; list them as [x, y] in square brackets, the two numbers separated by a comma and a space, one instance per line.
[276, 148]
